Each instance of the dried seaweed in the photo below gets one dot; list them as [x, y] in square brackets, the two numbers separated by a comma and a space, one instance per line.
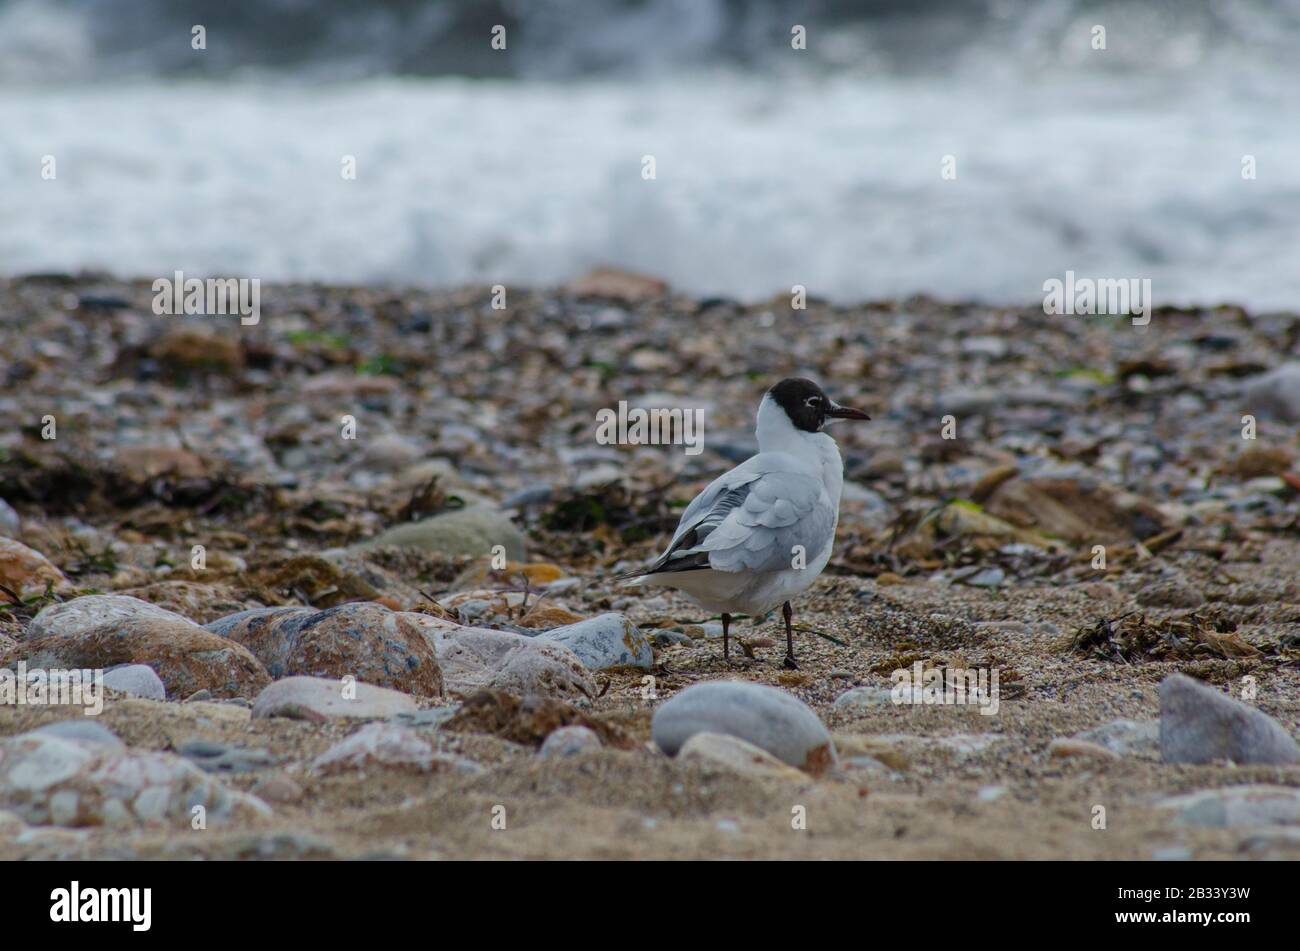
[1137, 638]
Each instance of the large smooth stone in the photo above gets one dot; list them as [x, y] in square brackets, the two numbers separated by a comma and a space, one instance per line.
[607, 640]
[94, 610]
[363, 640]
[185, 657]
[1199, 724]
[313, 698]
[770, 719]
[137, 680]
[474, 658]
[26, 571]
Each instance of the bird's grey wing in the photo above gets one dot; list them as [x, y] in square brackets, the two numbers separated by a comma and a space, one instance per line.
[705, 513]
[716, 493]
[782, 515]
[760, 523]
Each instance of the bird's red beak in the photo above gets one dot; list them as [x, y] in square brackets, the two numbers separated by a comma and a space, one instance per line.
[845, 412]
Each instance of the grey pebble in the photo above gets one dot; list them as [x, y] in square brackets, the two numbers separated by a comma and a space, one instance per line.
[771, 719]
[214, 757]
[1199, 724]
[82, 731]
[137, 680]
[603, 641]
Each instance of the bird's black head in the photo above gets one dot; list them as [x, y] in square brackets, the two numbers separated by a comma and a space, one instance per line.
[807, 406]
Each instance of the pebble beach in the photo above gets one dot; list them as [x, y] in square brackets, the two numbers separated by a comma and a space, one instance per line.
[350, 574]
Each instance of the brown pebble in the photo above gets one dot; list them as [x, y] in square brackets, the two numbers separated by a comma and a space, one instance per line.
[1063, 747]
[277, 787]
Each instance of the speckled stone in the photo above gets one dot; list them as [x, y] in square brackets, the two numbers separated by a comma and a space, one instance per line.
[474, 658]
[94, 610]
[604, 641]
[52, 780]
[364, 640]
[185, 657]
[26, 570]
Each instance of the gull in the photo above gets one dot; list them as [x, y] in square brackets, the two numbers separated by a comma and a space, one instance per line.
[763, 532]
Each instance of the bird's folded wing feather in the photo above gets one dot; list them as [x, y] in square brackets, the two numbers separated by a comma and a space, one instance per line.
[752, 518]
[782, 515]
[717, 499]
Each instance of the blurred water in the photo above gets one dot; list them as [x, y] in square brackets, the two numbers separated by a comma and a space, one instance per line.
[1123, 163]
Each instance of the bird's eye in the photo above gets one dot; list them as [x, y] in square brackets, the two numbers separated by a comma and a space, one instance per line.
[814, 401]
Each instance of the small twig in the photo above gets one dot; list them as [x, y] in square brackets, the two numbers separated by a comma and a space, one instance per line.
[833, 640]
